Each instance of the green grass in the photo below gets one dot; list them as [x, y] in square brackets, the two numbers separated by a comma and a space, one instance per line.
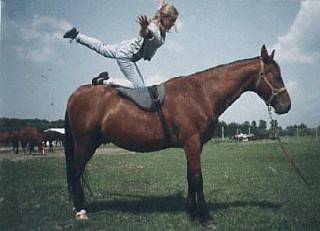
[248, 186]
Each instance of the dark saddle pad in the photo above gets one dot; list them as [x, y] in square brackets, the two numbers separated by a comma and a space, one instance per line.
[147, 98]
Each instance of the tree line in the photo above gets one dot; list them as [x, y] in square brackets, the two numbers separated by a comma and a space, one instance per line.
[259, 129]
[12, 124]
[262, 129]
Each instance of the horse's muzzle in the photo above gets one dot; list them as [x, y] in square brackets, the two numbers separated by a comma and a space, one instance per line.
[282, 108]
[282, 103]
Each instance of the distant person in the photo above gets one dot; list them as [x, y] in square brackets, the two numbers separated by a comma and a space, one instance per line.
[152, 35]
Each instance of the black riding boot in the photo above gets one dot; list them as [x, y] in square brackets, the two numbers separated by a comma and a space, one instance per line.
[99, 79]
[71, 33]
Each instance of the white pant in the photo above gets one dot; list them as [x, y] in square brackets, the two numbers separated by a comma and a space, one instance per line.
[120, 52]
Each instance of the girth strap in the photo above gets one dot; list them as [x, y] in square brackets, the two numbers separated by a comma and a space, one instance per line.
[153, 91]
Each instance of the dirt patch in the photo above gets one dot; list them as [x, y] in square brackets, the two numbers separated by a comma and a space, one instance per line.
[7, 154]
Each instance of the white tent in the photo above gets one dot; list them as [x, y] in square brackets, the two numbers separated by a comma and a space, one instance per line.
[60, 130]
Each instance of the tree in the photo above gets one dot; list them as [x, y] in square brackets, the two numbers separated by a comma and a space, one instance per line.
[262, 128]
[291, 130]
[245, 127]
[254, 127]
[304, 130]
[273, 129]
[232, 129]
[7, 124]
[262, 125]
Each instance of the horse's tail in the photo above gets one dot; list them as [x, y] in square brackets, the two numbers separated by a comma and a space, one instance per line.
[70, 161]
[69, 154]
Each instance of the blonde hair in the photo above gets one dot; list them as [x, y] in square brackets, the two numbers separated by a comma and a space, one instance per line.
[165, 11]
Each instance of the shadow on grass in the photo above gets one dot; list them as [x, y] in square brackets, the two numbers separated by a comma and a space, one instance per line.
[170, 204]
[235, 204]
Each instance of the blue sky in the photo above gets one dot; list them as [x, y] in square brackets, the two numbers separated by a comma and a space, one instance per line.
[39, 69]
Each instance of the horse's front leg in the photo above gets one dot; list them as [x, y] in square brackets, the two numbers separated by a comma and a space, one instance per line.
[17, 150]
[196, 202]
[191, 199]
[23, 145]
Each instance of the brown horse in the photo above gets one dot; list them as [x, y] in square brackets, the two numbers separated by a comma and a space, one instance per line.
[11, 137]
[192, 105]
[32, 136]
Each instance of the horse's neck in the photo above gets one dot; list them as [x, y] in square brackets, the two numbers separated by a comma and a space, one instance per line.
[225, 84]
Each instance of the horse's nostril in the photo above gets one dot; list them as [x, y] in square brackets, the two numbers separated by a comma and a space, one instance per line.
[289, 107]
[282, 109]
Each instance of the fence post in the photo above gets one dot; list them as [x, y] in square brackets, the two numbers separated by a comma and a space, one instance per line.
[222, 132]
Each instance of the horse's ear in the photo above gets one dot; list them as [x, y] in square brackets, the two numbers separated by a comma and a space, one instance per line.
[264, 53]
[272, 54]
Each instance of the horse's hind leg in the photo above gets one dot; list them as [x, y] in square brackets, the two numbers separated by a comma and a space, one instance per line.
[17, 150]
[24, 145]
[15, 146]
[83, 152]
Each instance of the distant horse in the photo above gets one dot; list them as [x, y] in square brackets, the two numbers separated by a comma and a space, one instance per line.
[50, 137]
[192, 105]
[31, 136]
[11, 137]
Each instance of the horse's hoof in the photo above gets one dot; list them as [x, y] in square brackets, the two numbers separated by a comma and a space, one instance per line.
[207, 221]
[211, 227]
[81, 215]
[194, 219]
[209, 224]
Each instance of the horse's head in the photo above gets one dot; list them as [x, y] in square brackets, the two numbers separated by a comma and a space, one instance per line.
[270, 86]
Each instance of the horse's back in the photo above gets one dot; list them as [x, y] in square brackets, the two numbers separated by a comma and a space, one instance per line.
[98, 112]
[5, 135]
[28, 133]
[86, 106]
[89, 96]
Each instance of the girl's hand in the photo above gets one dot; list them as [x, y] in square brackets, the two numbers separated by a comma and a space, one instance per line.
[144, 23]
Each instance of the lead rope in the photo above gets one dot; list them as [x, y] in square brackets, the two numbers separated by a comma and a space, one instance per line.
[285, 152]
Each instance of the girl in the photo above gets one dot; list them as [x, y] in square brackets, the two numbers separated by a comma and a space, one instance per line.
[152, 35]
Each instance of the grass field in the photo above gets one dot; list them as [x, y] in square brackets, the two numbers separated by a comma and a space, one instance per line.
[248, 186]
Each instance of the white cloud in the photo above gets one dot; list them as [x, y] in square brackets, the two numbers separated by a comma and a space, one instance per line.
[38, 55]
[40, 36]
[301, 43]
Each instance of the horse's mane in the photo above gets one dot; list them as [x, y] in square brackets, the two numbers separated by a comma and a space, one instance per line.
[225, 65]
[214, 68]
